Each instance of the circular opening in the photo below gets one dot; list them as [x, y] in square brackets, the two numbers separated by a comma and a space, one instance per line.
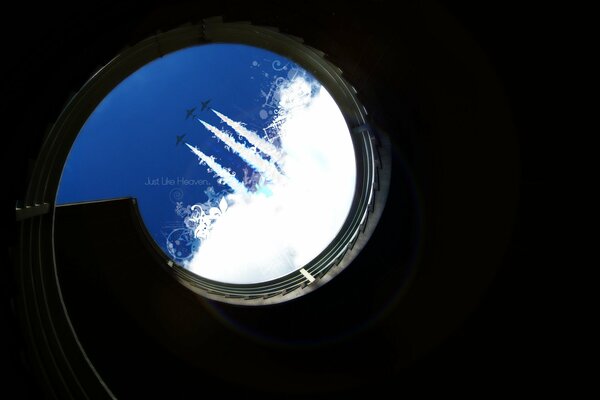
[245, 157]
[240, 160]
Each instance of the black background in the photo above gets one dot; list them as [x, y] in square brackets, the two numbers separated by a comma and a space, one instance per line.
[51, 50]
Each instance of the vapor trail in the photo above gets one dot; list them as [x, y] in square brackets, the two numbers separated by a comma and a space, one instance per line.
[227, 177]
[261, 144]
[263, 166]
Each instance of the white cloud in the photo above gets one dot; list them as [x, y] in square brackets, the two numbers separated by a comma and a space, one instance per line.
[262, 237]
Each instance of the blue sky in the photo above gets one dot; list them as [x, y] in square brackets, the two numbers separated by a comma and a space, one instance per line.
[130, 139]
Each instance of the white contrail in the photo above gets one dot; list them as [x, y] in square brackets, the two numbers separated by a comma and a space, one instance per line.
[261, 144]
[263, 166]
[227, 177]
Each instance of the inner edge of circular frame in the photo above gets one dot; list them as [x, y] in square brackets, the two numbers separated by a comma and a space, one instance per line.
[361, 220]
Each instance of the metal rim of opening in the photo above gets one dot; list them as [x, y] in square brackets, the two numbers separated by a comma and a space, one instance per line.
[370, 150]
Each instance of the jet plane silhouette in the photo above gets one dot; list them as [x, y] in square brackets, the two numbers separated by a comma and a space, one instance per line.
[190, 112]
[205, 104]
[179, 138]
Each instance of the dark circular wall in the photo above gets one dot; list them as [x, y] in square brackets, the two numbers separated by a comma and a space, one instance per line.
[448, 91]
